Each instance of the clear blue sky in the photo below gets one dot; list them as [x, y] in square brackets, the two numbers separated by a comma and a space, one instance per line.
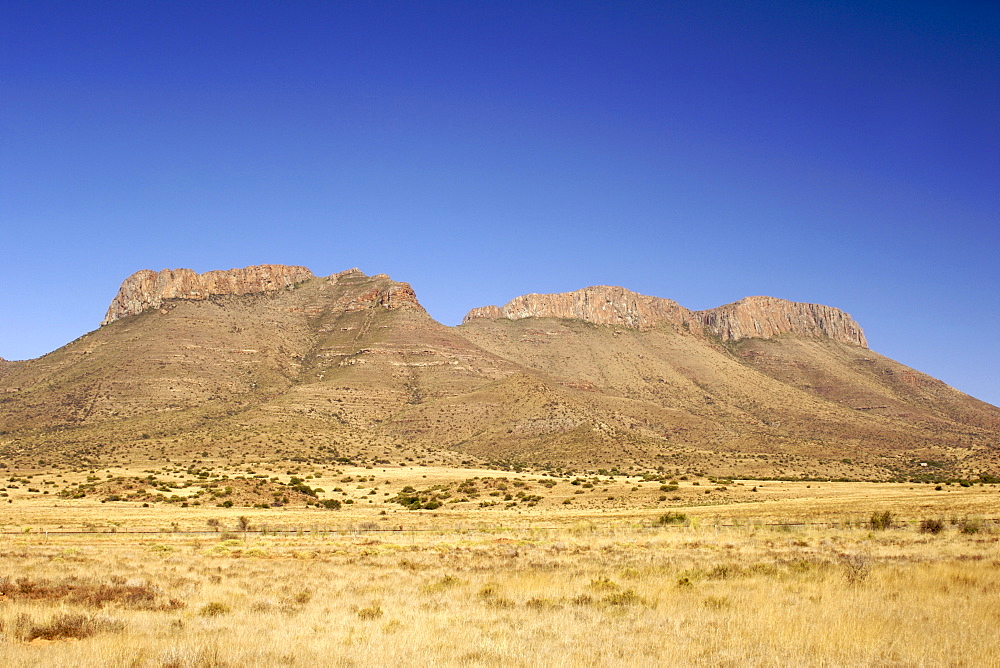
[845, 153]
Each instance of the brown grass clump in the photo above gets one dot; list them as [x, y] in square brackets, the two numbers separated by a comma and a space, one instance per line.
[214, 609]
[59, 626]
[137, 596]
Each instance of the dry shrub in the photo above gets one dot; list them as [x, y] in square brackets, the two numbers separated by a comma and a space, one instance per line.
[373, 611]
[541, 603]
[603, 584]
[931, 526]
[668, 519]
[881, 521]
[724, 572]
[490, 595]
[61, 626]
[858, 567]
[970, 526]
[446, 582]
[627, 597]
[213, 609]
[89, 594]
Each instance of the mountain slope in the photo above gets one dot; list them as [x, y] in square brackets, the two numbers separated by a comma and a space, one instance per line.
[804, 381]
[274, 362]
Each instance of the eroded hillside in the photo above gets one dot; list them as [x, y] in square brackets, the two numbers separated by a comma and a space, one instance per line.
[272, 361]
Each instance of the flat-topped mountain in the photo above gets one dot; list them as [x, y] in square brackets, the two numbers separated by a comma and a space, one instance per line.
[752, 317]
[272, 361]
[147, 289]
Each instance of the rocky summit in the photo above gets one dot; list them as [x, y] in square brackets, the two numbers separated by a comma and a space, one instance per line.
[274, 362]
[752, 317]
[147, 289]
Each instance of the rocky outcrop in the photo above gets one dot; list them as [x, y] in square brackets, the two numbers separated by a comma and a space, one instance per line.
[393, 296]
[147, 289]
[488, 312]
[602, 305]
[753, 317]
[768, 318]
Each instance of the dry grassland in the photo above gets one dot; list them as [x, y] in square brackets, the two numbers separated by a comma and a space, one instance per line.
[792, 574]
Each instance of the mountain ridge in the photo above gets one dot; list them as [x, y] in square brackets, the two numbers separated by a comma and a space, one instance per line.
[353, 364]
[147, 289]
[750, 317]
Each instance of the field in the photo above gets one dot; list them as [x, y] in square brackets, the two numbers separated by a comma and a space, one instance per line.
[502, 572]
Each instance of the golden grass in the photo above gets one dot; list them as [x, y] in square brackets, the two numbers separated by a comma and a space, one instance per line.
[554, 586]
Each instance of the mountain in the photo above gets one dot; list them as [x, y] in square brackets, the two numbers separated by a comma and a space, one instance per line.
[274, 362]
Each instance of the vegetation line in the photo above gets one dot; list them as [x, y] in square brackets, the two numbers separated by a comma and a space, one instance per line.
[345, 532]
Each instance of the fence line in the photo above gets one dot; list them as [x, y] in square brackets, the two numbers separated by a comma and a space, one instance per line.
[402, 530]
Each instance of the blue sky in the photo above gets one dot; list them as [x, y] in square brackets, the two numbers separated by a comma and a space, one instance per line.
[840, 153]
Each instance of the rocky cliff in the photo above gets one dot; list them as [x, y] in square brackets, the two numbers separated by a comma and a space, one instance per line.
[147, 289]
[753, 317]
[602, 305]
[767, 318]
[382, 292]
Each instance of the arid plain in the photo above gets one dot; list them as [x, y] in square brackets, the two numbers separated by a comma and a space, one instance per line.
[263, 467]
[593, 570]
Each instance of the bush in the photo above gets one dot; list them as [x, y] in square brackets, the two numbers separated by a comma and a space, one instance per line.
[374, 611]
[931, 526]
[970, 526]
[671, 518]
[66, 625]
[881, 521]
[627, 597]
[858, 567]
[213, 609]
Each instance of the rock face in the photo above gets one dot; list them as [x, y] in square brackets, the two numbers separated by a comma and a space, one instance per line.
[147, 289]
[602, 305]
[752, 317]
[767, 318]
[395, 296]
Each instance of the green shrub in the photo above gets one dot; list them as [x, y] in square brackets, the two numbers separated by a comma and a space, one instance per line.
[671, 518]
[968, 526]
